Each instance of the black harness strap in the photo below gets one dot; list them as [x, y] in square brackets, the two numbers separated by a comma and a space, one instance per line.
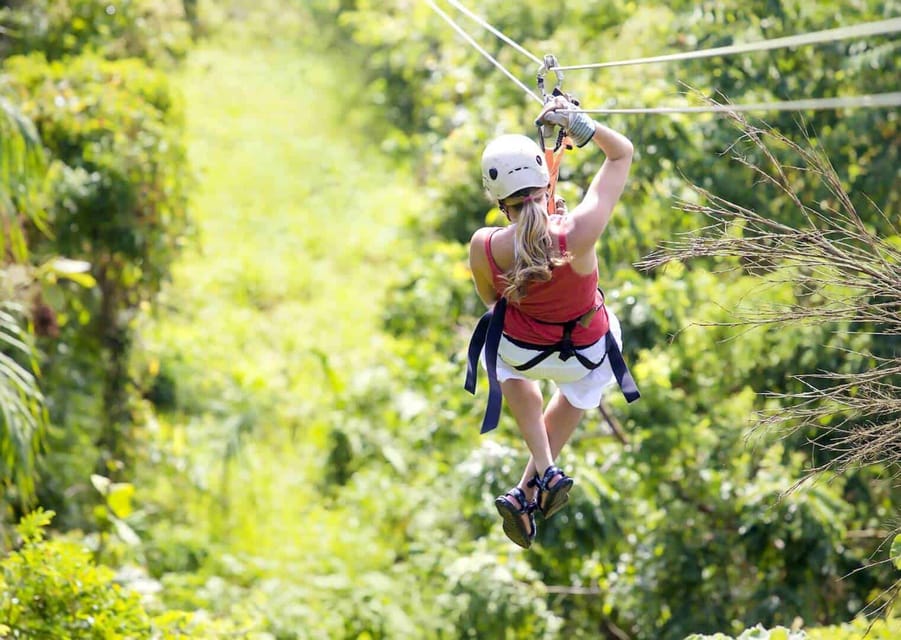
[488, 333]
[564, 347]
[623, 377]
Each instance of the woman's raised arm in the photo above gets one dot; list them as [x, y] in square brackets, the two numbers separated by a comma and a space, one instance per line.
[591, 216]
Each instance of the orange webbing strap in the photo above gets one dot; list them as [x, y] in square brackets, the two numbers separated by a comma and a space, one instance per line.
[553, 159]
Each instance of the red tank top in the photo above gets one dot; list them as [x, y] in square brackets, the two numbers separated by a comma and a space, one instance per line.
[566, 296]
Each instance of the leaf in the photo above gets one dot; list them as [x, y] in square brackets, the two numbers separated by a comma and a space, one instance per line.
[119, 498]
[126, 533]
[22, 416]
[31, 527]
[395, 458]
[67, 266]
[100, 483]
[895, 552]
[86, 280]
[78, 271]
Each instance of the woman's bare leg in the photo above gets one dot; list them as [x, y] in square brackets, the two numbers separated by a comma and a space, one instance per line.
[561, 420]
[526, 404]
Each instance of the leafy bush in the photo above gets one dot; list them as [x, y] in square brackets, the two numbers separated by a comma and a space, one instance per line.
[117, 127]
[113, 131]
[888, 629]
[52, 589]
[114, 29]
[756, 633]
[855, 630]
[23, 171]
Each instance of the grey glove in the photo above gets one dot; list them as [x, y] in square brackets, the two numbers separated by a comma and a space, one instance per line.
[561, 112]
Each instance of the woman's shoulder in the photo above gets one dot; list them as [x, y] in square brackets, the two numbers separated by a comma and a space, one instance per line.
[481, 232]
[479, 242]
[481, 235]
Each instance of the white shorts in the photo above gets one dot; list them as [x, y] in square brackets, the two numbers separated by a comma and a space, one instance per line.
[583, 388]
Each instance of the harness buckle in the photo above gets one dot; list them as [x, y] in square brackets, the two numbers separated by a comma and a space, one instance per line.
[566, 346]
[586, 318]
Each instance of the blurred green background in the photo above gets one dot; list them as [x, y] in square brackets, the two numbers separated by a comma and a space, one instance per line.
[235, 306]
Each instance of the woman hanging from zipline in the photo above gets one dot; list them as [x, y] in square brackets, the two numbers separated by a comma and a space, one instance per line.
[547, 319]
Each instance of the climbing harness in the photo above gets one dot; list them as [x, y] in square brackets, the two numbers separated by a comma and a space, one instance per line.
[487, 335]
[564, 346]
[490, 328]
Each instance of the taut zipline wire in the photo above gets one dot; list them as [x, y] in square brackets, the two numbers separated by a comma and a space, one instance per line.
[478, 48]
[487, 26]
[891, 99]
[882, 27]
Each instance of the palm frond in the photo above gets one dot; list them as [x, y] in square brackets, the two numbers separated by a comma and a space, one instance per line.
[22, 412]
[23, 168]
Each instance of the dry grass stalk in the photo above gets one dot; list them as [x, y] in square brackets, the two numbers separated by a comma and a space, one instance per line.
[852, 276]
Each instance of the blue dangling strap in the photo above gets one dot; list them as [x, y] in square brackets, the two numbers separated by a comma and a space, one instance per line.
[623, 378]
[487, 334]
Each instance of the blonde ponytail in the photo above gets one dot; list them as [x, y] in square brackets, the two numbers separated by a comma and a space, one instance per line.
[532, 250]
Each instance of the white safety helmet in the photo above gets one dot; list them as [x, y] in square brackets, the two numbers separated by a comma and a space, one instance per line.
[513, 162]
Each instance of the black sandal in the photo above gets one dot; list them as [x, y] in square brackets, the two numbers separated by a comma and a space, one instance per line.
[512, 516]
[552, 498]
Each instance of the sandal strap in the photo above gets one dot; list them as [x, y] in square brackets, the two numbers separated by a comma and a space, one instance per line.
[549, 474]
[518, 494]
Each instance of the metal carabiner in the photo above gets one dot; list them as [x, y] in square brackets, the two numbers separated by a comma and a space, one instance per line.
[550, 62]
[546, 131]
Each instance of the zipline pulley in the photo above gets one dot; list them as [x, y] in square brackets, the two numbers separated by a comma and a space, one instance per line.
[552, 156]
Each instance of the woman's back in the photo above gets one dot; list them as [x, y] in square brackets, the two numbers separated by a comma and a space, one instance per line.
[568, 295]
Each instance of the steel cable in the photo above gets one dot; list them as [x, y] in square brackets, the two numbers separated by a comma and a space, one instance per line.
[878, 100]
[881, 27]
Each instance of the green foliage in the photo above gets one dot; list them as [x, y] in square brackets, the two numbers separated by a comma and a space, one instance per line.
[855, 630]
[113, 131]
[22, 178]
[53, 589]
[430, 292]
[756, 633]
[308, 465]
[126, 193]
[858, 628]
[152, 30]
[23, 418]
